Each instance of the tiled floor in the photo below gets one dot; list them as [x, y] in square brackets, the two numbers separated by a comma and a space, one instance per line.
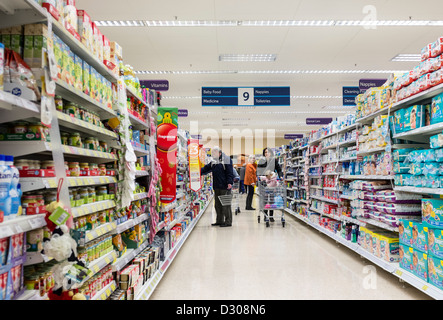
[250, 261]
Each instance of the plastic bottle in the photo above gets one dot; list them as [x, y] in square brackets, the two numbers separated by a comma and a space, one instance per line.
[14, 193]
[5, 184]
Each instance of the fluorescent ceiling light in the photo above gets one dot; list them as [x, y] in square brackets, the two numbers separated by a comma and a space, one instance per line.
[269, 23]
[338, 107]
[407, 57]
[316, 97]
[248, 57]
[119, 23]
[185, 72]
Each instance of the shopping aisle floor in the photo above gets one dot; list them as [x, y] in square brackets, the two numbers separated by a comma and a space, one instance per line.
[250, 261]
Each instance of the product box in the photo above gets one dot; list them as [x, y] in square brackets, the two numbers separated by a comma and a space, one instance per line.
[435, 271]
[420, 264]
[437, 109]
[435, 242]
[432, 212]
[388, 245]
[84, 26]
[405, 257]
[413, 117]
[52, 10]
[17, 39]
[116, 50]
[31, 173]
[86, 72]
[368, 241]
[413, 233]
[78, 73]
[58, 55]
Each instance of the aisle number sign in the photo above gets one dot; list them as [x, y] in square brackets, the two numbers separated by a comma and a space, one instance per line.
[194, 164]
[245, 96]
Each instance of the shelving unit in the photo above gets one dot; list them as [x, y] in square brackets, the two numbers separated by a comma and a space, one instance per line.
[14, 108]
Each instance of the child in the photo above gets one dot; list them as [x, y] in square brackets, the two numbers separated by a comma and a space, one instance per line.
[271, 182]
[270, 178]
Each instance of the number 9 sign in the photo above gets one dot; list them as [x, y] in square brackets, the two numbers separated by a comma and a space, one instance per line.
[245, 96]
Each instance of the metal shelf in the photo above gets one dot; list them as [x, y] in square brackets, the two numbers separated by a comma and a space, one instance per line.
[23, 148]
[21, 224]
[421, 134]
[35, 13]
[16, 108]
[31, 184]
[391, 267]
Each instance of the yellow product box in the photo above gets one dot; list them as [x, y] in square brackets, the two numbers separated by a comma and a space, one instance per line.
[388, 246]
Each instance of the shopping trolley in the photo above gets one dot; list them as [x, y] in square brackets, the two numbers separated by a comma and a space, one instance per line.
[271, 198]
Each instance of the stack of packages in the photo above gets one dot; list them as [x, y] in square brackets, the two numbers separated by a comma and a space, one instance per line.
[378, 201]
[421, 243]
[426, 75]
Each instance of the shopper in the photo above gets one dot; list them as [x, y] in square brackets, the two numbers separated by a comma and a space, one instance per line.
[250, 181]
[242, 178]
[268, 162]
[270, 178]
[223, 178]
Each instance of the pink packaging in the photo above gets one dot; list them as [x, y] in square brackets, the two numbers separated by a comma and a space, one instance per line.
[437, 47]
[3, 251]
[426, 52]
[436, 78]
[3, 285]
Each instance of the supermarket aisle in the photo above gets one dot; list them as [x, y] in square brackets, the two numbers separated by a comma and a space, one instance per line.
[250, 261]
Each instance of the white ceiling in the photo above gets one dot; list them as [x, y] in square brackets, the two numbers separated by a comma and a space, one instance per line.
[297, 48]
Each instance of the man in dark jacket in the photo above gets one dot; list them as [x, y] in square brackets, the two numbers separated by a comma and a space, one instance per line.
[222, 180]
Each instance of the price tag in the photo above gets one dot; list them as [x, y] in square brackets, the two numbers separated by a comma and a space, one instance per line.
[34, 223]
[5, 232]
[59, 216]
[425, 288]
[398, 272]
[103, 296]
[108, 292]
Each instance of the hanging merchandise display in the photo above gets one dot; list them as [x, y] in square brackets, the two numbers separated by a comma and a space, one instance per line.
[167, 123]
[194, 165]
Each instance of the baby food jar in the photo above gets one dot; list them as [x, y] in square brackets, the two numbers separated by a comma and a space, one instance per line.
[34, 164]
[20, 127]
[71, 109]
[39, 130]
[74, 169]
[50, 197]
[22, 164]
[102, 168]
[91, 193]
[48, 164]
[58, 103]
[102, 190]
[103, 146]
[90, 143]
[93, 167]
[29, 201]
[75, 140]
[65, 138]
[83, 192]
[40, 200]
